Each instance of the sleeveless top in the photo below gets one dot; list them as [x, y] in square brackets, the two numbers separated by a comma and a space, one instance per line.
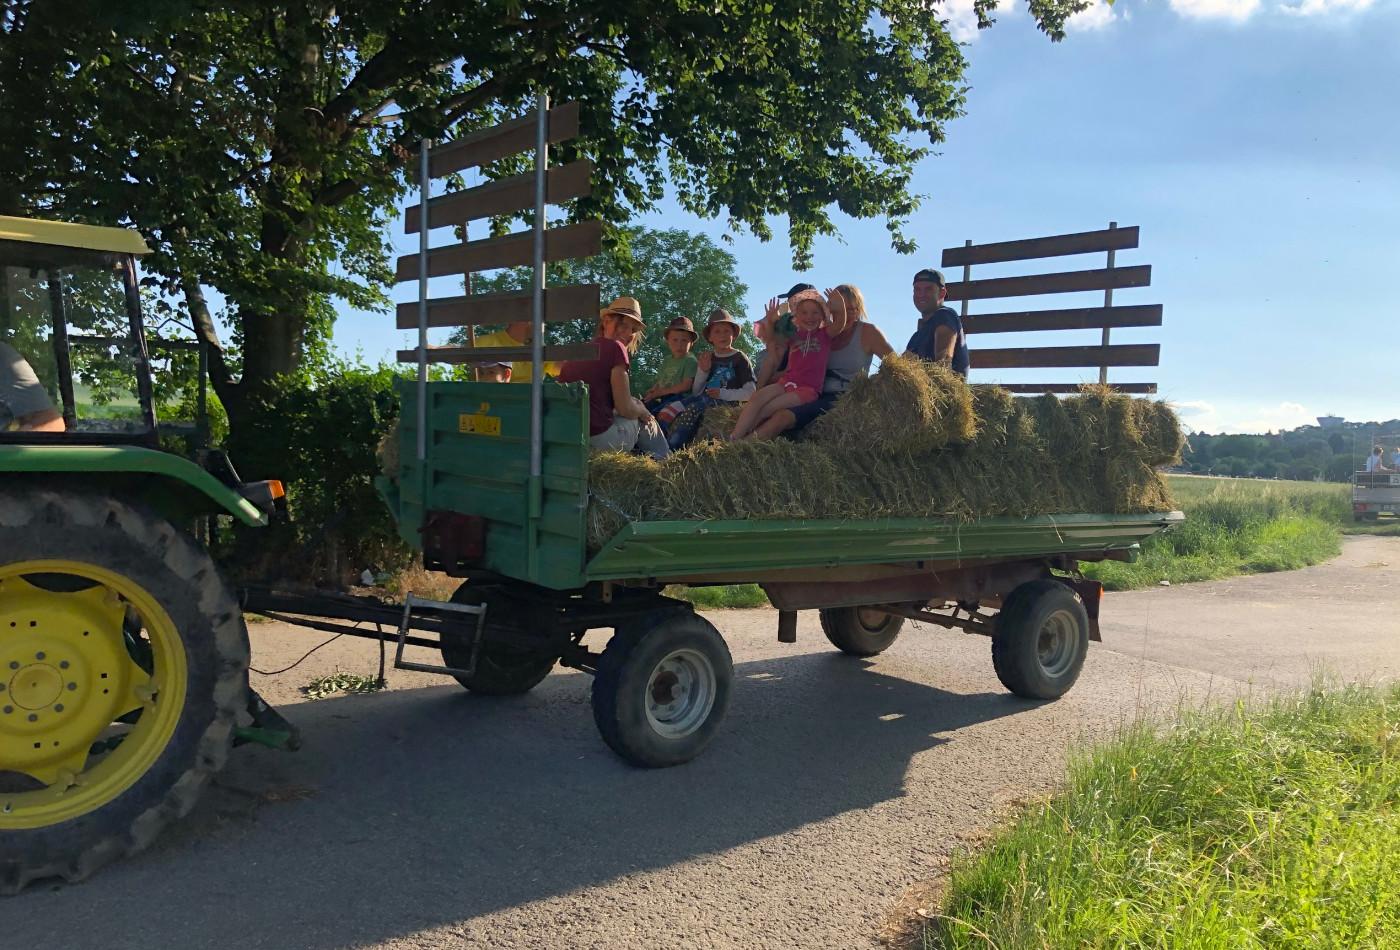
[846, 365]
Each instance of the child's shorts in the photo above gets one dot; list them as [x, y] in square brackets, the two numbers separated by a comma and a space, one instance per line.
[805, 393]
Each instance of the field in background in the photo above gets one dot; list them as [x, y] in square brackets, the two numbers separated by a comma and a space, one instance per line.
[1249, 826]
[1239, 526]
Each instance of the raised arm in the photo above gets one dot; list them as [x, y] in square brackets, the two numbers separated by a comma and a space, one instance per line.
[837, 305]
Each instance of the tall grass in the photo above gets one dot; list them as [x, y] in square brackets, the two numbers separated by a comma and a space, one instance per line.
[1271, 826]
[1237, 526]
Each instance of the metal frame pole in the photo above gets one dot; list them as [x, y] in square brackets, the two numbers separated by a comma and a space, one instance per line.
[1107, 302]
[536, 479]
[537, 316]
[424, 189]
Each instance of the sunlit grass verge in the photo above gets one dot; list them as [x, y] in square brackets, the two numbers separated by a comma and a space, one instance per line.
[1236, 526]
[714, 598]
[1274, 826]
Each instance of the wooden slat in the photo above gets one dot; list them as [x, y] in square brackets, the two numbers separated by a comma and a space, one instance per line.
[563, 183]
[1065, 283]
[1076, 318]
[508, 138]
[560, 304]
[482, 354]
[583, 239]
[1143, 388]
[1041, 357]
[1058, 245]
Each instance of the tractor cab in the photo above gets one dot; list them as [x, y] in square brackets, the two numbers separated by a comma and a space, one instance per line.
[74, 368]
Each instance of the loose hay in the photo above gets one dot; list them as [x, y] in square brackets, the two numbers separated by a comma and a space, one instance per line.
[961, 452]
[718, 422]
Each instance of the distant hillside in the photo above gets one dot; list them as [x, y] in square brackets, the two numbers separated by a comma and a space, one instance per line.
[1307, 453]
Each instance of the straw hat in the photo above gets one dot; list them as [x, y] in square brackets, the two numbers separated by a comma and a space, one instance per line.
[802, 296]
[684, 325]
[719, 316]
[625, 307]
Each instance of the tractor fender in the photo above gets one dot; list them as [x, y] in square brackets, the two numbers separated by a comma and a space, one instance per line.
[174, 486]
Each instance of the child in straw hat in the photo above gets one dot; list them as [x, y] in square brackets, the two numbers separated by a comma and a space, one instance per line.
[801, 382]
[678, 370]
[725, 376]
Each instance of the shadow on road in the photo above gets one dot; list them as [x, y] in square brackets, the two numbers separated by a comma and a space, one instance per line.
[420, 808]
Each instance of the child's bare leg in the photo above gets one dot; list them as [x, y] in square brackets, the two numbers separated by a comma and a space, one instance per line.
[748, 416]
[784, 400]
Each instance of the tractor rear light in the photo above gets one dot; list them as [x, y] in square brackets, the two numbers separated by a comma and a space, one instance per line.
[268, 495]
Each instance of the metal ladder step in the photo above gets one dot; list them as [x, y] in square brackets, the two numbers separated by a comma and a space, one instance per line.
[412, 604]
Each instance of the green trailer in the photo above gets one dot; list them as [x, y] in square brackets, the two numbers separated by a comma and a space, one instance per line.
[533, 587]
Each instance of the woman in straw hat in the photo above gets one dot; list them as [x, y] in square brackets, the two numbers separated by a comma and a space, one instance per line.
[617, 420]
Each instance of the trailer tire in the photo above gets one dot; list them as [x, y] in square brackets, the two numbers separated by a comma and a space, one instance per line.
[501, 670]
[856, 632]
[662, 688]
[1041, 640]
[157, 622]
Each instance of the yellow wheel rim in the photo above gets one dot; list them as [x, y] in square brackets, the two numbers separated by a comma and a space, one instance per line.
[70, 684]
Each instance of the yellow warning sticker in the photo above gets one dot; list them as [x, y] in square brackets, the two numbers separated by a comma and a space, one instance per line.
[476, 423]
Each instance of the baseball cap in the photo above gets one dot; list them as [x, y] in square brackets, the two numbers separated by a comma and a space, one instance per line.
[796, 289]
[932, 275]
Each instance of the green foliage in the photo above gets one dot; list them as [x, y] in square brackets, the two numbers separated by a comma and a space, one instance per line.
[1271, 825]
[1237, 527]
[673, 273]
[1302, 454]
[319, 438]
[341, 683]
[262, 147]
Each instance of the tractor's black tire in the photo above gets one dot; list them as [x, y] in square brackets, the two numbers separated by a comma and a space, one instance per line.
[856, 635]
[1041, 640]
[501, 669]
[178, 573]
[644, 664]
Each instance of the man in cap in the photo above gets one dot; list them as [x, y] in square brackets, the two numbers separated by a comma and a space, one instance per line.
[494, 371]
[939, 337]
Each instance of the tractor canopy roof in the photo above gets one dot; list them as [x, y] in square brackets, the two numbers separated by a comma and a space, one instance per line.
[79, 236]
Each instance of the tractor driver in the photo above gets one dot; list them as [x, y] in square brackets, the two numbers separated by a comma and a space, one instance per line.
[24, 404]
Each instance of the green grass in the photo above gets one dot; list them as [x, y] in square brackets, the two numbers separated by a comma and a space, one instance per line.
[715, 598]
[1237, 526]
[1273, 826]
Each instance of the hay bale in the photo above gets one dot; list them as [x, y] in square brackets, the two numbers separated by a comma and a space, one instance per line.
[717, 422]
[909, 405]
[1091, 452]
[388, 452]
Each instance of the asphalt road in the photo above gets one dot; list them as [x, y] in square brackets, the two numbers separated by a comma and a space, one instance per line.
[425, 817]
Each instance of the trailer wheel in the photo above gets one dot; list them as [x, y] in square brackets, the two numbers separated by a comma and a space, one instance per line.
[1041, 640]
[501, 669]
[123, 662]
[662, 688]
[860, 631]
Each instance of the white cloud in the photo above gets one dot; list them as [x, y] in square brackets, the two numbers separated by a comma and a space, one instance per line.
[962, 20]
[1096, 17]
[1324, 7]
[1201, 416]
[1236, 10]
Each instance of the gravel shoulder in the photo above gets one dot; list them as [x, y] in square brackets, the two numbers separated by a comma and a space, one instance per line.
[425, 817]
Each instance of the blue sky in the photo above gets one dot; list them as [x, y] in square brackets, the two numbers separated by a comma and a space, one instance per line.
[1255, 142]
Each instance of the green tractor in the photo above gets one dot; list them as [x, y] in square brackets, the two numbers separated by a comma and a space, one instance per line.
[123, 652]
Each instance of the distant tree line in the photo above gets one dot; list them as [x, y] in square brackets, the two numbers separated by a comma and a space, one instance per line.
[1308, 453]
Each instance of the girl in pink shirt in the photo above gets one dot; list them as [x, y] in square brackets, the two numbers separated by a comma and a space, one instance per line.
[807, 354]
